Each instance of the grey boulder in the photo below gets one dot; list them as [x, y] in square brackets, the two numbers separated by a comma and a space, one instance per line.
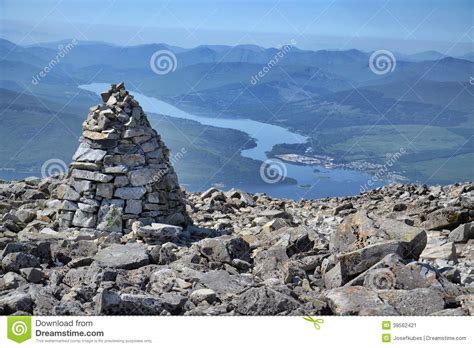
[128, 256]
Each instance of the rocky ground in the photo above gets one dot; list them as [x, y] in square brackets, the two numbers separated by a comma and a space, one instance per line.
[397, 250]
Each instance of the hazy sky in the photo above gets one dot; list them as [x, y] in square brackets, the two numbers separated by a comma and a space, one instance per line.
[404, 25]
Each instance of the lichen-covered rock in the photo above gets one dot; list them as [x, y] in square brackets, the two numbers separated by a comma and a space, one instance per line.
[13, 262]
[359, 231]
[110, 217]
[265, 301]
[113, 303]
[445, 218]
[357, 300]
[462, 233]
[15, 301]
[128, 256]
[420, 301]
[157, 232]
[197, 296]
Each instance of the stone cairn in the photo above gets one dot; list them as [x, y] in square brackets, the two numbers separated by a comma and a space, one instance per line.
[121, 171]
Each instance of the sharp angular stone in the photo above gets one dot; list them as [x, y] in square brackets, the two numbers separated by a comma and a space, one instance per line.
[105, 96]
[85, 154]
[105, 190]
[209, 192]
[358, 231]
[445, 218]
[121, 181]
[273, 214]
[127, 160]
[11, 280]
[214, 250]
[244, 198]
[264, 301]
[159, 232]
[444, 250]
[355, 262]
[415, 238]
[93, 176]
[84, 219]
[112, 100]
[201, 295]
[67, 193]
[130, 192]
[87, 208]
[13, 262]
[274, 225]
[110, 215]
[16, 301]
[69, 206]
[133, 206]
[462, 233]
[82, 185]
[335, 277]
[393, 272]
[415, 275]
[143, 176]
[153, 197]
[357, 300]
[128, 256]
[271, 263]
[32, 275]
[99, 135]
[414, 302]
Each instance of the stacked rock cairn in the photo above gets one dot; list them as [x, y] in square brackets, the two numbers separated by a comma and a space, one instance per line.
[121, 172]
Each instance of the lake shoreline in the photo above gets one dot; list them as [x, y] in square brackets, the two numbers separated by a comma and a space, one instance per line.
[311, 181]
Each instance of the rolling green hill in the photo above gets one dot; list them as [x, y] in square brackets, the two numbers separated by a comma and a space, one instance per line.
[347, 111]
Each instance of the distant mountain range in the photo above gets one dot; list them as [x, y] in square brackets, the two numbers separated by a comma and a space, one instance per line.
[333, 97]
[239, 51]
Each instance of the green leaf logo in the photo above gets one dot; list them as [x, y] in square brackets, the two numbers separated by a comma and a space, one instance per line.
[19, 328]
[316, 322]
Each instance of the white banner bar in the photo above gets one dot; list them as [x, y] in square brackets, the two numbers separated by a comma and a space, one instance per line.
[236, 332]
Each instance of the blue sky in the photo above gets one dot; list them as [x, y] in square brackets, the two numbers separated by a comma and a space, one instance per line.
[406, 25]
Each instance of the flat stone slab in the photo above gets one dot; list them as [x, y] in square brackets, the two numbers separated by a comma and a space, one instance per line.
[422, 301]
[130, 192]
[160, 232]
[358, 261]
[88, 175]
[128, 256]
[357, 300]
[85, 153]
[358, 231]
[462, 233]
[440, 250]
